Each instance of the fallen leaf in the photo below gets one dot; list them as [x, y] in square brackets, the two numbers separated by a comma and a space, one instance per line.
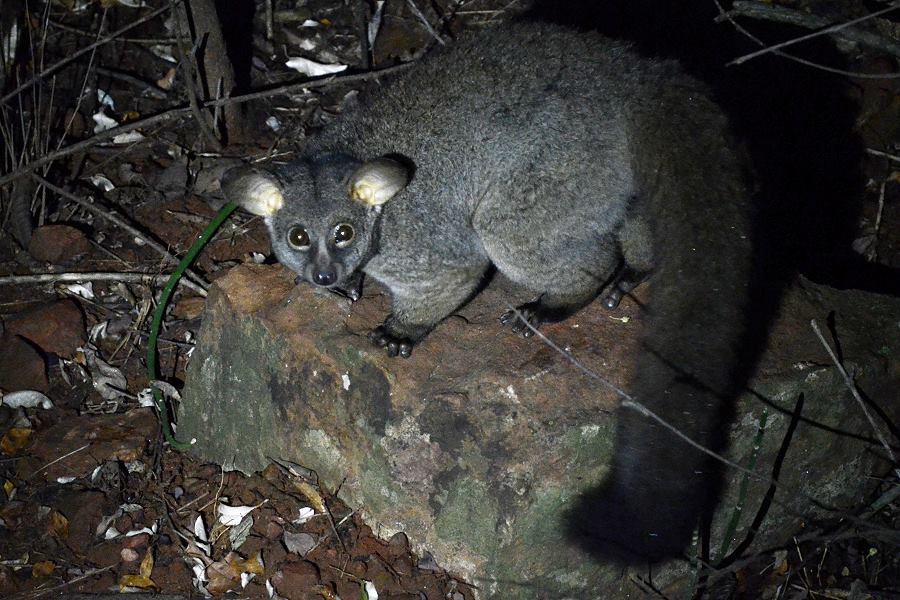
[312, 495]
[141, 581]
[58, 526]
[15, 440]
[43, 569]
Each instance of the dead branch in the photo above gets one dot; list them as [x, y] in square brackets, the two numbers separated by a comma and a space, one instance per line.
[834, 29]
[781, 14]
[177, 113]
[116, 220]
[143, 278]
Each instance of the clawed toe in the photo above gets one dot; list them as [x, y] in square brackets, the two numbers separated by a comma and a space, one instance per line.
[393, 346]
[523, 320]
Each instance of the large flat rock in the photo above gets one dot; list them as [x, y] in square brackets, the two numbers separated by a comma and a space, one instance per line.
[477, 444]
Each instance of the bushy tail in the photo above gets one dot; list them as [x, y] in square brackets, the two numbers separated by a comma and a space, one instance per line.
[691, 191]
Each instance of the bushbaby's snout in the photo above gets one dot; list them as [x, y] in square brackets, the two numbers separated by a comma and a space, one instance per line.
[324, 278]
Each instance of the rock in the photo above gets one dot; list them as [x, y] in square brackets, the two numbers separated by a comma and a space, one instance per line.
[477, 444]
[297, 580]
[55, 327]
[21, 366]
[121, 437]
[58, 244]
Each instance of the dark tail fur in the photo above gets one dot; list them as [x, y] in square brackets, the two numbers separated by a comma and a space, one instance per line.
[692, 191]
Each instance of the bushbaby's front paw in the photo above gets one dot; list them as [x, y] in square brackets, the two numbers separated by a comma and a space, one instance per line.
[392, 345]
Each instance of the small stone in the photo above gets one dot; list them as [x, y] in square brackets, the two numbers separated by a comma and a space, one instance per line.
[21, 366]
[295, 577]
[398, 544]
[58, 244]
[129, 555]
[300, 543]
[137, 541]
[55, 327]
[357, 568]
[189, 308]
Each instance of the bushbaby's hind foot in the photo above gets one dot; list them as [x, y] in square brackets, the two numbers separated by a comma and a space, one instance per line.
[524, 319]
[394, 346]
[528, 317]
[626, 281]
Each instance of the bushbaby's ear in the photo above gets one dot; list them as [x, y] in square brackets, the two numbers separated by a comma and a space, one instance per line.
[378, 180]
[253, 189]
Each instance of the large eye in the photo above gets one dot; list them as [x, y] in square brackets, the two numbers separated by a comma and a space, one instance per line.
[298, 238]
[343, 235]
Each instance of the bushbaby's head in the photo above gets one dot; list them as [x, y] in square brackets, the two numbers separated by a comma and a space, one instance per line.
[322, 212]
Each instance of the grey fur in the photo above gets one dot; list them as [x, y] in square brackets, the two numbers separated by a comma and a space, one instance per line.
[561, 158]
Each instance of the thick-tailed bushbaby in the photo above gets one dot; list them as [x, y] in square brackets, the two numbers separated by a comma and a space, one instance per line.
[572, 165]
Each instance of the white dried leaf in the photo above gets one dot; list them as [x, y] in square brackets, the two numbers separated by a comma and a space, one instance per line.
[306, 513]
[103, 122]
[65, 480]
[232, 515]
[10, 43]
[310, 23]
[128, 138]
[27, 399]
[371, 592]
[109, 381]
[375, 23]
[145, 398]
[311, 68]
[273, 123]
[105, 99]
[238, 534]
[84, 290]
[102, 182]
[246, 578]
[164, 52]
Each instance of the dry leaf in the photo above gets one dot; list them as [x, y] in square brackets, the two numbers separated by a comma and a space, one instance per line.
[312, 495]
[141, 581]
[43, 569]
[58, 526]
[226, 574]
[9, 487]
[15, 440]
[783, 568]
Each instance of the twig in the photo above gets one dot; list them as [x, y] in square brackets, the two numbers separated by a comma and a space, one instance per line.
[852, 387]
[55, 67]
[111, 217]
[828, 30]
[879, 153]
[797, 59]
[780, 14]
[424, 21]
[83, 576]
[189, 69]
[76, 31]
[63, 457]
[145, 278]
[150, 88]
[177, 113]
[628, 401]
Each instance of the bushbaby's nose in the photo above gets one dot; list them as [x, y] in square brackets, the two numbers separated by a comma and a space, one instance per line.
[324, 278]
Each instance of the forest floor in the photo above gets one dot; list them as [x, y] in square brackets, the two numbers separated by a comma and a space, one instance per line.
[94, 500]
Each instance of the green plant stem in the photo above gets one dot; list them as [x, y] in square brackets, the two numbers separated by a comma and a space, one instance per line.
[160, 312]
